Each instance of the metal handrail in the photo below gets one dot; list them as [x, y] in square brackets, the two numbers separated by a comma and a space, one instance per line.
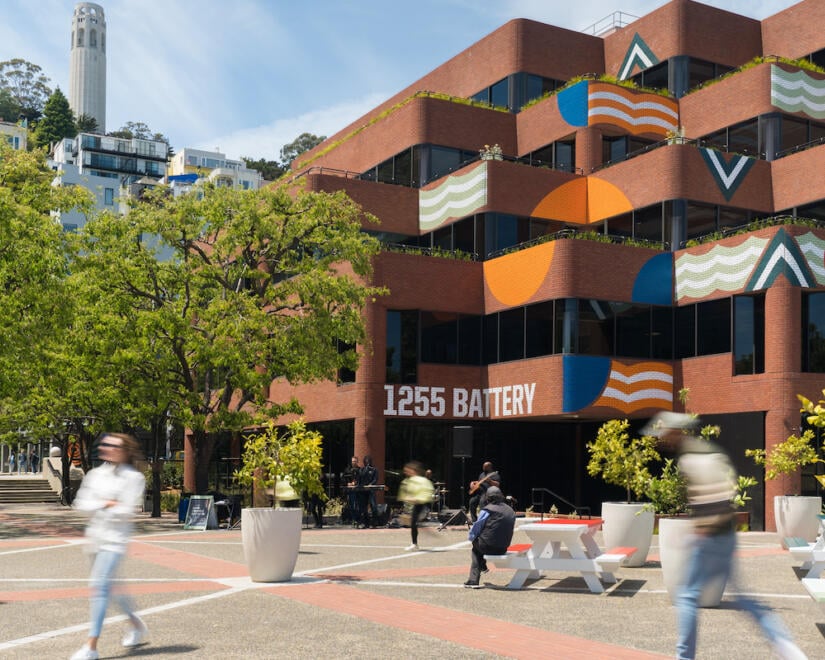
[579, 510]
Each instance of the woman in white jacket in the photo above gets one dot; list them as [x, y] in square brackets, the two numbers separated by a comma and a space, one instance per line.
[112, 494]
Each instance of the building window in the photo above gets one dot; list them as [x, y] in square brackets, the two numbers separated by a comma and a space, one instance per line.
[80, 37]
[439, 337]
[469, 339]
[511, 334]
[539, 329]
[713, 327]
[402, 346]
[93, 39]
[748, 335]
[108, 196]
[813, 332]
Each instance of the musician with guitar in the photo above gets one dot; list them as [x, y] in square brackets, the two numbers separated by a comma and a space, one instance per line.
[478, 488]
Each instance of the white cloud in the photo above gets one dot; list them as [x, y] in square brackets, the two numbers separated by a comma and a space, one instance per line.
[265, 141]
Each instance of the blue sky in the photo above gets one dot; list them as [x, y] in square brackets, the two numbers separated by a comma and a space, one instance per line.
[248, 76]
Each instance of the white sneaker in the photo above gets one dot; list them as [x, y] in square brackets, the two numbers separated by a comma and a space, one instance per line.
[412, 547]
[135, 636]
[85, 653]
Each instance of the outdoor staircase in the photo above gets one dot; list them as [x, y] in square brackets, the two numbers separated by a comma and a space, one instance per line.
[25, 490]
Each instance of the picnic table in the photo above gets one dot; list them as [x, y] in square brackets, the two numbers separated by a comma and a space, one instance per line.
[563, 545]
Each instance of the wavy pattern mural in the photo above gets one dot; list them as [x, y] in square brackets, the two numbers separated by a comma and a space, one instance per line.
[720, 269]
[457, 196]
[813, 248]
[627, 388]
[797, 91]
[634, 112]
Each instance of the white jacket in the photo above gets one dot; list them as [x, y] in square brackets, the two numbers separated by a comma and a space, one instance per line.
[110, 528]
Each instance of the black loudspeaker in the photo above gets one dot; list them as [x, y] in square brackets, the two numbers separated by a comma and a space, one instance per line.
[463, 441]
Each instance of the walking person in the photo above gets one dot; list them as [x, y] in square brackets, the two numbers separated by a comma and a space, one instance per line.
[111, 493]
[711, 487]
[367, 477]
[21, 462]
[34, 460]
[491, 534]
[11, 462]
[415, 491]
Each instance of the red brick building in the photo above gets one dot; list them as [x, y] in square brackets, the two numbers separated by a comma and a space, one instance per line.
[700, 189]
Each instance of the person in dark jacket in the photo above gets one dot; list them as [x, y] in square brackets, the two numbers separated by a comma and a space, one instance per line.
[491, 533]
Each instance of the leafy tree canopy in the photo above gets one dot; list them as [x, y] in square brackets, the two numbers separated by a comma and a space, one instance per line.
[27, 85]
[86, 124]
[57, 121]
[273, 169]
[139, 130]
[9, 108]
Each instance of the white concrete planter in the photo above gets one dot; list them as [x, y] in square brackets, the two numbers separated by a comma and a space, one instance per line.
[271, 540]
[797, 516]
[628, 525]
[674, 551]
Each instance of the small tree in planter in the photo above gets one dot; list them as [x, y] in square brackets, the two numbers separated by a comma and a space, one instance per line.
[623, 461]
[272, 536]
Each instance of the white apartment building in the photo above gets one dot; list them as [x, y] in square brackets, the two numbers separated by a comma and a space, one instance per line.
[15, 134]
[216, 167]
[112, 168]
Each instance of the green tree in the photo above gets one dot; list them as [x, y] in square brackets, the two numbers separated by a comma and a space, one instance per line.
[304, 142]
[27, 85]
[234, 289]
[9, 108]
[269, 169]
[57, 121]
[86, 124]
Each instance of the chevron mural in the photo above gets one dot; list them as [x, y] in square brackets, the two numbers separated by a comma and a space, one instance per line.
[782, 256]
[797, 91]
[627, 388]
[638, 55]
[455, 197]
[721, 269]
[728, 174]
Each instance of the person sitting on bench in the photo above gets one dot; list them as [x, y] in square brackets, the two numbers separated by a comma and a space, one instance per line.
[491, 534]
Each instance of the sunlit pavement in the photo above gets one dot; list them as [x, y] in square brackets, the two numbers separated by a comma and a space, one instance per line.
[357, 593]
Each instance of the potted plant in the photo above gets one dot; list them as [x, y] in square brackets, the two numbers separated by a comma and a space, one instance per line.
[272, 535]
[795, 515]
[622, 461]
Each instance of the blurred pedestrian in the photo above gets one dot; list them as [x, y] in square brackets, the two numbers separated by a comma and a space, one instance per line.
[111, 493]
[34, 461]
[21, 461]
[11, 462]
[416, 491]
[490, 534]
[711, 487]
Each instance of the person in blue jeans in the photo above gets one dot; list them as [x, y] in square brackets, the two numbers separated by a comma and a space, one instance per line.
[711, 486]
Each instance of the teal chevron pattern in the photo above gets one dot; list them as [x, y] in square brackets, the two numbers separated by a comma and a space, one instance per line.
[782, 256]
[728, 174]
[813, 248]
[638, 54]
[720, 269]
[797, 92]
[456, 197]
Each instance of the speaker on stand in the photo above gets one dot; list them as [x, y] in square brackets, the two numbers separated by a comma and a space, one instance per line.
[463, 449]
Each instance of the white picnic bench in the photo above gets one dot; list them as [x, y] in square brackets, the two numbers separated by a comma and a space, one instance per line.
[563, 545]
[816, 588]
[812, 555]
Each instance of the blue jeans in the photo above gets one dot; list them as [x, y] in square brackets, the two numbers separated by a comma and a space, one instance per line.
[104, 567]
[712, 557]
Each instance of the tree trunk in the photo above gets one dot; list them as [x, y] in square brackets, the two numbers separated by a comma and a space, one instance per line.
[156, 469]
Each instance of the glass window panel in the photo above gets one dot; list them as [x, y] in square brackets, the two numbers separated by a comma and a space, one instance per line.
[817, 132]
[632, 330]
[511, 334]
[539, 329]
[403, 168]
[490, 339]
[443, 238]
[699, 71]
[385, 171]
[655, 76]
[647, 223]
[749, 334]
[540, 228]
[595, 329]
[483, 96]
[565, 155]
[499, 93]
[543, 156]
[718, 140]
[815, 211]
[402, 346]
[415, 167]
[439, 337]
[565, 336]
[621, 225]
[443, 160]
[813, 341]
[685, 331]
[744, 138]
[469, 339]
[730, 217]
[794, 133]
[661, 339]
[464, 236]
[713, 327]
[701, 219]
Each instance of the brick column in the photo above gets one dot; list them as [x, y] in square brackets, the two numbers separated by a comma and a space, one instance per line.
[588, 149]
[783, 358]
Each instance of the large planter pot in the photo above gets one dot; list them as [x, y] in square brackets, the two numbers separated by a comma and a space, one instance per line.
[796, 516]
[271, 539]
[628, 525]
[674, 551]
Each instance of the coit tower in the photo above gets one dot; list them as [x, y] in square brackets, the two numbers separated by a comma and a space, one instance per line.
[87, 73]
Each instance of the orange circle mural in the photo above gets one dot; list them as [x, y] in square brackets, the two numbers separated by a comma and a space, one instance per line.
[583, 201]
[514, 278]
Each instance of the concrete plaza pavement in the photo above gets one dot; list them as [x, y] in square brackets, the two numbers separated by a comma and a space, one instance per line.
[358, 594]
